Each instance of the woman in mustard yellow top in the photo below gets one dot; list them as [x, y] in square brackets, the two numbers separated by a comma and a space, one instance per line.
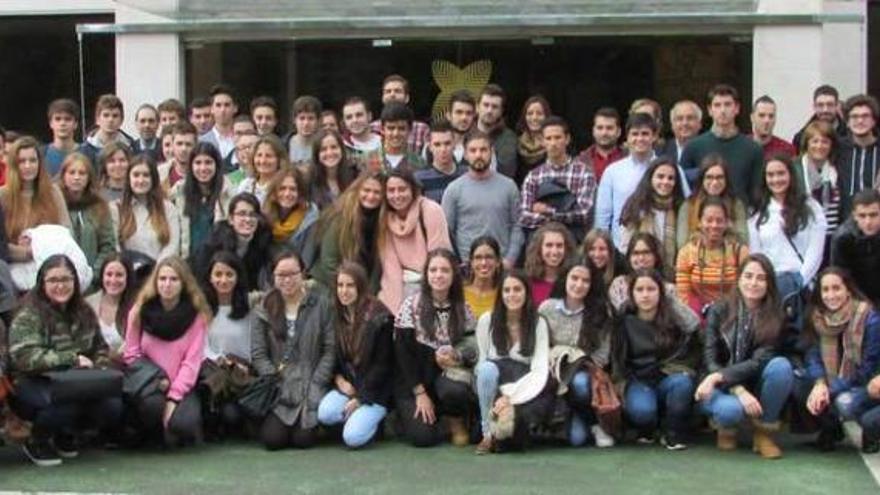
[485, 272]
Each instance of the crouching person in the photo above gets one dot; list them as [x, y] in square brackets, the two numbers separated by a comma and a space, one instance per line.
[746, 378]
[362, 381]
[166, 332]
[293, 340]
[56, 331]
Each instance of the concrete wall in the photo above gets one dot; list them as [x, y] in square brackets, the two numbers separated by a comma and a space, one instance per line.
[789, 62]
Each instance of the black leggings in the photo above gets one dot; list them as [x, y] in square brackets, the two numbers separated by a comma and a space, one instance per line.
[185, 425]
[276, 435]
[450, 397]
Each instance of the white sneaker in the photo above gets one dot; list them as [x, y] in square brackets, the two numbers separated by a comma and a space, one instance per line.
[603, 440]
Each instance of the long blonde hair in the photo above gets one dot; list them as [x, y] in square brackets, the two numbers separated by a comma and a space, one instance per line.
[90, 197]
[348, 211]
[42, 207]
[190, 289]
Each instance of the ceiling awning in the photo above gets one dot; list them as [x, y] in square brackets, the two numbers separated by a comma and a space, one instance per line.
[446, 19]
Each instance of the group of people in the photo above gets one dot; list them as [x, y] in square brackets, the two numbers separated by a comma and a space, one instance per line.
[486, 286]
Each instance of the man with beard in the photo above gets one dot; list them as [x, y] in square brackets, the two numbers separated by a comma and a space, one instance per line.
[490, 120]
[395, 88]
[604, 151]
[559, 177]
[483, 202]
[826, 107]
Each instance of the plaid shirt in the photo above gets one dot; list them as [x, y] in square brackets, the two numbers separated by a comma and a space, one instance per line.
[576, 176]
[376, 161]
[418, 137]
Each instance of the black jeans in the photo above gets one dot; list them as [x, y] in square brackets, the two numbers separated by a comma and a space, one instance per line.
[185, 425]
[450, 398]
[32, 401]
[276, 435]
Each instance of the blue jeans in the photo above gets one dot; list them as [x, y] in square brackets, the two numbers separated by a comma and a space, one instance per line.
[361, 425]
[580, 396]
[487, 389]
[674, 395]
[773, 388]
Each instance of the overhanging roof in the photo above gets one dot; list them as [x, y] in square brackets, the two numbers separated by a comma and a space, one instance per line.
[445, 19]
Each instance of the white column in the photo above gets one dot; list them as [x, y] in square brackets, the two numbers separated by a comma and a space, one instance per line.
[149, 67]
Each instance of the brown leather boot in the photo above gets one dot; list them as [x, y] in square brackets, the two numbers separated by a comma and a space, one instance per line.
[762, 440]
[458, 431]
[726, 440]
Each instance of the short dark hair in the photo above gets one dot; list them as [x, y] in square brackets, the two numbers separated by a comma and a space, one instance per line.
[722, 90]
[494, 90]
[475, 134]
[243, 118]
[264, 101]
[866, 197]
[396, 111]
[764, 99]
[356, 100]
[172, 105]
[184, 127]
[441, 125]
[462, 96]
[641, 119]
[608, 113]
[198, 102]
[396, 78]
[109, 101]
[862, 100]
[826, 90]
[306, 104]
[63, 105]
[555, 121]
[222, 89]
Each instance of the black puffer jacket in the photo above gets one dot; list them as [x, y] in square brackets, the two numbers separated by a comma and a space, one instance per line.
[860, 255]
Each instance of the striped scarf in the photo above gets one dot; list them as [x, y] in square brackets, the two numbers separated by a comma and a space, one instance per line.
[844, 327]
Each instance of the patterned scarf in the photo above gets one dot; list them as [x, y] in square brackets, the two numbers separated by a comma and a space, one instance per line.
[845, 327]
[530, 150]
[668, 240]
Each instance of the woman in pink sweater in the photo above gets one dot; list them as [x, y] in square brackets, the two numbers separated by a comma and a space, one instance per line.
[410, 225]
[167, 327]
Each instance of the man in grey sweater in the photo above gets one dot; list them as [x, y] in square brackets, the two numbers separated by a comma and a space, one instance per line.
[483, 202]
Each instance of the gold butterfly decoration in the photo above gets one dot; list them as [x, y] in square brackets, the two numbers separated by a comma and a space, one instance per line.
[450, 78]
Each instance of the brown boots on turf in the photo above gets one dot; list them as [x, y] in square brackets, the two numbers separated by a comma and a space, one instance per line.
[458, 431]
[726, 439]
[762, 440]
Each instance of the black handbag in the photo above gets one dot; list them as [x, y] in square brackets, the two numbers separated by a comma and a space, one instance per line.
[260, 396]
[141, 379]
[83, 384]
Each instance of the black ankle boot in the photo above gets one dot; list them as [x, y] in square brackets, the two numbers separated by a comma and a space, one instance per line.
[870, 443]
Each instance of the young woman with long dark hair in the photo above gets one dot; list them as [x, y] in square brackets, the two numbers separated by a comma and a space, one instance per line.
[547, 254]
[56, 330]
[581, 320]
[435, 350]
[484, 276]
[746, 378]
[652, 209]
[293, 337]
[652, 354]
[202, 197]
[333, 172]
[842, 360]
[599, 248]
[362, 383]
[513, 369]
[712, 182]
[113, 299]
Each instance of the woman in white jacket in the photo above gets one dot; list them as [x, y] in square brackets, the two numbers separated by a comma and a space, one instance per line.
[788, 227]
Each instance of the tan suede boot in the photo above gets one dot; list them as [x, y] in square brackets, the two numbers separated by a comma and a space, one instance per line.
[726, 440]
[458, 431]
[762, 440]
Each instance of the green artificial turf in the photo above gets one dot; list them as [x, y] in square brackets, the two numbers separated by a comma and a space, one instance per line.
[391, 467]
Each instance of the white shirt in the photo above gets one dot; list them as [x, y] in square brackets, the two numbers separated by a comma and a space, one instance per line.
[770, 239]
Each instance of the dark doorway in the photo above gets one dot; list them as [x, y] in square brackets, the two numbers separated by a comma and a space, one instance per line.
[40, 63]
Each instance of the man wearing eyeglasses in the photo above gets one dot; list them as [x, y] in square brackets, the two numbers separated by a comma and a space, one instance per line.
[859, 159]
